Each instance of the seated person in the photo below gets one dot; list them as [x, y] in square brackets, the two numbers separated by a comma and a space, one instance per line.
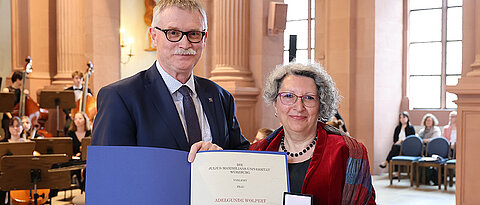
[403, 130]
[28, 129]
[430, 129]
[450, 131]
[336, 123]
[15, 129]
[317, 155]
[15, 135]
[262, 133]
[79, 129]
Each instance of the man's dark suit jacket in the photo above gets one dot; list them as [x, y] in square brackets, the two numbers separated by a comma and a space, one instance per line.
[139, 110]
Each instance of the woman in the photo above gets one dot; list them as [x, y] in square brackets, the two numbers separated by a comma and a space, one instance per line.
[318, 155]
[430, 129]
[450, 131]
[15, 129]
[27, 128]
[403, 130]
[79, 129]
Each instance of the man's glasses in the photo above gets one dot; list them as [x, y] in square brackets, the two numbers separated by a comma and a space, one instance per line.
[288, 98]
[173, 35]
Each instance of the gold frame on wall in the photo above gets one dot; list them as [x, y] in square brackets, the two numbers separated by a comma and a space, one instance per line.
[149, 5]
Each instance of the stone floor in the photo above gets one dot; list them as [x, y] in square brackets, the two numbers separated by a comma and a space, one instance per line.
[402, 193]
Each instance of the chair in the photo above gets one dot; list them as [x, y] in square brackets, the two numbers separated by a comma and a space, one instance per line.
[450, 165]
[410, 152]
[438, 146]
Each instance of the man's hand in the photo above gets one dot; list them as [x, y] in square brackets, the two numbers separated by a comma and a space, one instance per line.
[201, 146]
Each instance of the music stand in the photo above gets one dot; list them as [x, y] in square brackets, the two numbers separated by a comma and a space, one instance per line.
[16, 148]
[57, 99]
[55, 145]
[7, 100]
[27, 172]
[86, 141]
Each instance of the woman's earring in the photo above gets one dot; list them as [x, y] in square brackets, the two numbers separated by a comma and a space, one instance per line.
[276, 114]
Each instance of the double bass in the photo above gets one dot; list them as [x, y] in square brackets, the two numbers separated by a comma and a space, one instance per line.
[28, 107]
[87, 103]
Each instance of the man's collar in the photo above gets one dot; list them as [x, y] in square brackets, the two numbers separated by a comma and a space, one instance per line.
[173, 84]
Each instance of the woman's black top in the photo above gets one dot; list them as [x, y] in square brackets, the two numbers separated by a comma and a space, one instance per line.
[75, 142]
[409, 130]
[296, 175]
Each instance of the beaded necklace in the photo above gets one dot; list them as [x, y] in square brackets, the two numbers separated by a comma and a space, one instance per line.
[282, 145]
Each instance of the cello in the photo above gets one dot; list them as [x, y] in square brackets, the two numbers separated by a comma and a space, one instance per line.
[87, 103]
[28, 107]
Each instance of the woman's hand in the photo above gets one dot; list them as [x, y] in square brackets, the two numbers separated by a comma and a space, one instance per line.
[201, 146]
[398, 142]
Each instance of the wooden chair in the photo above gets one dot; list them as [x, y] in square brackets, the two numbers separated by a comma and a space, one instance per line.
[410, 152]
[438, 146]
[450, 166]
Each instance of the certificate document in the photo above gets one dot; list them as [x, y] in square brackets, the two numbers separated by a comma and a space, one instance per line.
[146, 175]
[238, 177]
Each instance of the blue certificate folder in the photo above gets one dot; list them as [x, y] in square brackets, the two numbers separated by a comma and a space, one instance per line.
[137, 175]
[140, 175]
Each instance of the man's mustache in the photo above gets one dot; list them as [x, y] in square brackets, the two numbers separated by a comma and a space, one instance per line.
[189, 51]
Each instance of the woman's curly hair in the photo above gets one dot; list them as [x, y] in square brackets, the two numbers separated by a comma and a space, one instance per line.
[327, 92]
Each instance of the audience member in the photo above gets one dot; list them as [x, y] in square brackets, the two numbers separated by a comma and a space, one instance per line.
[403, 130]
[450, 130]
[430, 129]
[262, 133]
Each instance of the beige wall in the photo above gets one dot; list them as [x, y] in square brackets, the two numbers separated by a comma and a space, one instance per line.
[388, 75]
[132, 21]
[266, 51]
[360, 44]
[5, 41]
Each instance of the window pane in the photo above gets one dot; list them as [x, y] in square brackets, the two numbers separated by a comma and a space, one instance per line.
[454, 57]
[450, 97]
[424, 91]
[302, 56]
[455, 2]
[297, 9]
[298, 28]
[313, 8]
[425, 59]
[454, 23]
[425, 4]
[452, 79]
[425, 25]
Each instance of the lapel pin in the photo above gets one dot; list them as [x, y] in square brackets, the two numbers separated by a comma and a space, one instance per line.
[210, 99]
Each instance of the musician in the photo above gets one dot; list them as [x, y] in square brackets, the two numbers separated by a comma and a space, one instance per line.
[27, 128]
[17, 81]
[166, 105]
[77, 87]
[15, 129]
[79, 129]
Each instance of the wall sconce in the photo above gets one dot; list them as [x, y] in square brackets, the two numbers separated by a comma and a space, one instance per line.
[126, 47]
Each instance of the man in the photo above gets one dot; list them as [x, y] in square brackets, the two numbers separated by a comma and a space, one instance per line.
[166, 106]
[77, 87]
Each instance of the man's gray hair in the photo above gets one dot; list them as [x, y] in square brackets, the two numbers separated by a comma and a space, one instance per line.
[327, 92]
[191, 5]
